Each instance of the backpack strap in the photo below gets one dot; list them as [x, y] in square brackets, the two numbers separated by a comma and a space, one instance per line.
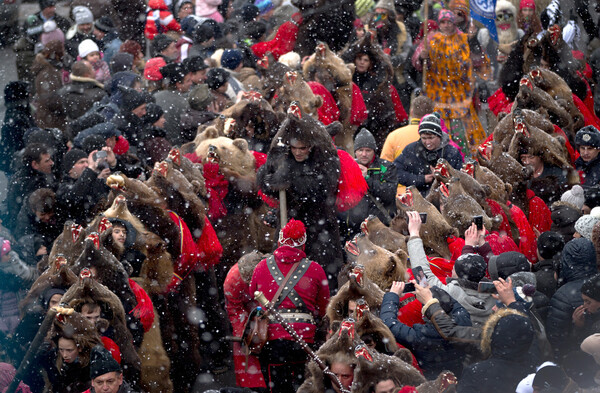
[287, 283]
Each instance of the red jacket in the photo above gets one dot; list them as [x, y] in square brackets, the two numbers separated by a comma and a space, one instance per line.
[159, 19]
[312, 288]
[238, 304]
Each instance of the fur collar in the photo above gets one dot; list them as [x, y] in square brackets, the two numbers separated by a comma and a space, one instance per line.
[84, 79]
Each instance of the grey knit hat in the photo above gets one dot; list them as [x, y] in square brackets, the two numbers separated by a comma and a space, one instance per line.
[585, 225]
[574, 196]
[364, 138]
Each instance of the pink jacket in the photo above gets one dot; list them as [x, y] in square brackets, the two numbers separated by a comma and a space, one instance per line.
[208, 9]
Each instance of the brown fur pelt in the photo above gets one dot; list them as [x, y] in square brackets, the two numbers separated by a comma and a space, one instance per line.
[156, 365]
[89, 291]
[435, 231]
[382, 235]
[459, 208]
[77, 328]
[369, 325]
[272, 74]
[504, 130]
[179, 195]
[337, 309]
[445, 383]
[325, 67]
[499, 191]
[444, 172]
[295, 88]
[191, 171]
[556, 86]
[247, 263]
[57, 275]
[369, 371]
[69, 243]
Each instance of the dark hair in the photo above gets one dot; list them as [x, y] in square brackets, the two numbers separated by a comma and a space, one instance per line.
[81, 68]
[120, 225]
[256, 29]
[33, 152]
[421, 106]
[42, 200]
[131, 47]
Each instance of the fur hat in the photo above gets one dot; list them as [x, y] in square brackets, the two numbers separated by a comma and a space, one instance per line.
[290, 59]
[431, 125]
[152, 68]
[86, 47]
[71, 158]
[507, 263]
[160, 43]
[505, 5]
[470, 267]
[102, 362]
[231, 58]
[216, 78]
[200, 97]
[173, 73]
[585, 224]
[574, 196]
[82, 15]
[364, 138]
[591, 287]
[293, 234]
[588, 136]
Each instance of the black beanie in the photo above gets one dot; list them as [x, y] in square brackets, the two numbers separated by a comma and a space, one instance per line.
[16, 91]
[470, 267]
[104, 24]
[173, 73]
[591, 287]
[102, 362]
[430, 124]
[121, 61]
[550, 377]
[48, 293]
[549, 244]
[160, 43]
[46, 3]
[71, 158]
[507, 263]
[131, 98]
[216, 78]
[193, 64]
[364, 138]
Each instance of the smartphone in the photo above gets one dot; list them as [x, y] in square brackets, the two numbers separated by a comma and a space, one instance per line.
[486, 287]
[423, 217]
[419, 276]
[99, 155]
[478, 220]
[409, 287]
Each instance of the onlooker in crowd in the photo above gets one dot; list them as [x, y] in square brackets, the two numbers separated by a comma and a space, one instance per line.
[47, 70]
[588, 142]
[82, 30]
[164, 46]
[105, 32]
[89, 51]
[216, 79]
[17, 119]
[82, 93]
[172, 100]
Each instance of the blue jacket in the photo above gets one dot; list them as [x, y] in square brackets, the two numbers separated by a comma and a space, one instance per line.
[433, 353]
[415, 161]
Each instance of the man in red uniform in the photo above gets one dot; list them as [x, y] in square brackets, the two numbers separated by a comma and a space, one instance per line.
[302, 302]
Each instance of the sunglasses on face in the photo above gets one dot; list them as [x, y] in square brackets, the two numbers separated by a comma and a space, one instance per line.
[380, 16]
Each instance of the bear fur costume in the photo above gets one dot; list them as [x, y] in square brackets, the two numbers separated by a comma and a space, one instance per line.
[499, 191]
[383, 236]
[382, 115]
[191, 171]
[325, 67]
[504, 130]
[272, 74]
[253, 111]
[88, 291]
[434, 232]
[324, 21]
[358, 286]
[295, 89]
[311, 185]
[57, 275]
[69, 243]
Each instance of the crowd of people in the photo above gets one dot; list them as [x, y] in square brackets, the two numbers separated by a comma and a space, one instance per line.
[416, 194]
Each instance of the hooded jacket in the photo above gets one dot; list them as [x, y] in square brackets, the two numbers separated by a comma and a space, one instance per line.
[506, 338]
[80, 95]
[578, 262]
[479, 305]
[415, 161]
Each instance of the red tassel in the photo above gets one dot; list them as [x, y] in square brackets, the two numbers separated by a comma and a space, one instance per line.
[209, 248]
[144, 309]
[352, 186]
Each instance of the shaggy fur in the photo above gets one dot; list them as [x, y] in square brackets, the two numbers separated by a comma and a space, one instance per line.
[459, 207]
[325, 67]
[69, 243]
[247, 263]
[191, 171]
[272, 73]
[490, 325]
[295, 88]
[383, 236]
[155, 362]
[444, 172]
[499, 191]
[434, 232]
[504, 130]
[56, 276]
[77, 328]
[337, 309]
[87, 291]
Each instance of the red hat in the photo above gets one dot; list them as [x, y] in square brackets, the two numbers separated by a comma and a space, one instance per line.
[527, 4]
[152, 68]
[293, 234]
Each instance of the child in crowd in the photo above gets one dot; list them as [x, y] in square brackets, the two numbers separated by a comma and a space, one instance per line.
[89, 51]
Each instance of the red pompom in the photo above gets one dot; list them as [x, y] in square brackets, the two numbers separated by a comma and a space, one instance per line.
[293, 234]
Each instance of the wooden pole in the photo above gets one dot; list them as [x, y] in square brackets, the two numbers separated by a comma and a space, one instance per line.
[425, 46]
[283, 208]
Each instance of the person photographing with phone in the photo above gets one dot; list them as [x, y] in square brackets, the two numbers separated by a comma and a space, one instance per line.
[433, 353]
[83, 183]
[469, 270]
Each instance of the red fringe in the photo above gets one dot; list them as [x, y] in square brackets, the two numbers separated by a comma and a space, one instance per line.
[112, 347]
[209, 247]
[352, 186]
[144, 309]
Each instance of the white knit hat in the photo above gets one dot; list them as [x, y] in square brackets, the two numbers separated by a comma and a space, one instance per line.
[86, 47]
[585, 224]
[574, 196]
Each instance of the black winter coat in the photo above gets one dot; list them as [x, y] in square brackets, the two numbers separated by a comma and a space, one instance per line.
[544, 277]
[415, 161]
[591, 171]
[21, 185]
[80, 95]
[77, 198]
[17, 119]
[382, 181]
[433, 353]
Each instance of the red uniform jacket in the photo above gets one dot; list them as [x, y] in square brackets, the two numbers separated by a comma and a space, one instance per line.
[312, 288]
